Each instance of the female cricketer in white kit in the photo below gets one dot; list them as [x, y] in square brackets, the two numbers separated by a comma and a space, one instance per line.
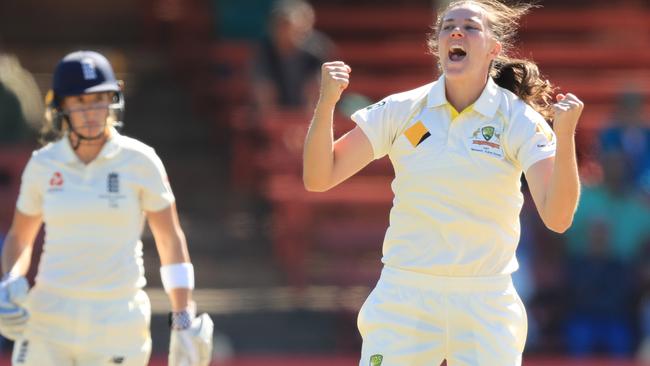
[458, 147]
[93, 188]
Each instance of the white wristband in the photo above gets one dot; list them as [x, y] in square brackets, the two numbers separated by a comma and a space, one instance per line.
[178, 275]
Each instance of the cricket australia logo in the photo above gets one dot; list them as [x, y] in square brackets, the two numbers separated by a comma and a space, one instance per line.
[113, 190]
[376, 360]
[487, 132]
[487, 139]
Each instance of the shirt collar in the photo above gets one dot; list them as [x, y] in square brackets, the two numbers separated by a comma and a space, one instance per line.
[65, 153]
[112, 145]
[437, 97]
[487, 103]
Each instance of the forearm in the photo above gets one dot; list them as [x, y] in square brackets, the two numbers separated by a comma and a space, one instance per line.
[173, 250]
[16, 256]
[176, 271]
[318, 158]
[180, 298]
[564, 189]
[173, 254]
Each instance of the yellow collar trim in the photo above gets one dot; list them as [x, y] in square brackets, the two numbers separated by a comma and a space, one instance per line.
[454, 112]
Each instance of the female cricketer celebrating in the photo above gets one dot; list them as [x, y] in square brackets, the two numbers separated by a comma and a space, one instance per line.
[93, 187]
[458, 147]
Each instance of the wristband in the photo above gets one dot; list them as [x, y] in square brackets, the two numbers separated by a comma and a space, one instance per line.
[178, 275]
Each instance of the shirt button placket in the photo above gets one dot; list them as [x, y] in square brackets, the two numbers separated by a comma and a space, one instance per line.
[87, 173]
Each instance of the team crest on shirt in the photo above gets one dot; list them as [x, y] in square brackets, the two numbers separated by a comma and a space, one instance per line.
[112, 190]
[113, 183]
[487, 139]
[376, 360]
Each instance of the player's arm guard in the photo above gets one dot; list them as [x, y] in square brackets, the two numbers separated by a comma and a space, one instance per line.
[13, 317]
[191, 339]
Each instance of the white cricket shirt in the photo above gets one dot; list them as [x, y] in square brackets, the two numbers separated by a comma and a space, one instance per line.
[93, 214]
[457, 182]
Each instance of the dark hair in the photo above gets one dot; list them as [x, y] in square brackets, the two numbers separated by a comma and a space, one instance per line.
[520, 76]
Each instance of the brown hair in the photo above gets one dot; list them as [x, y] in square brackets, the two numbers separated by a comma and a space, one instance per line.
[520, 76]
[52, 128]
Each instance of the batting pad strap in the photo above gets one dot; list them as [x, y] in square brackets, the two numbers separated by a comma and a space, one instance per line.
[178, 275]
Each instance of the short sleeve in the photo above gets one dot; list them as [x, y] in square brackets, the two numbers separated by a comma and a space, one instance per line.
[530, 139]
[30, 197]
[156, 190]
[375, 121]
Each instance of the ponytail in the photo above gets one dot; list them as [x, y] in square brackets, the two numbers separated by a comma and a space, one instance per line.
[522, 77]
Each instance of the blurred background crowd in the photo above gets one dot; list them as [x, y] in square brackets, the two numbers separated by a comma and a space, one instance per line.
[223, 89]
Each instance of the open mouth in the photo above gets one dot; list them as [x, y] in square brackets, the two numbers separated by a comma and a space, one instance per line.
[457, 53]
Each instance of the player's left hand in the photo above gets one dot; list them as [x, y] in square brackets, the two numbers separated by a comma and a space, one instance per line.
[192, 346]
[13, 316]
[567, 111]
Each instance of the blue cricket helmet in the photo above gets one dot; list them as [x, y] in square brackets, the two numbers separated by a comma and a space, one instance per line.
[83, 72]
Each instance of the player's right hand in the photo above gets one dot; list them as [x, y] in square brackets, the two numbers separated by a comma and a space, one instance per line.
[192, 346]
[13, 316]
[335, 78]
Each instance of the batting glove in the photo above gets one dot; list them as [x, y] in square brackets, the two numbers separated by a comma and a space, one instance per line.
[13, 316]
[191, 339]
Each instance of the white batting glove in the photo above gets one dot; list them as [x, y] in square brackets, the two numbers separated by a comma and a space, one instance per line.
[191, 339]
[13, 316]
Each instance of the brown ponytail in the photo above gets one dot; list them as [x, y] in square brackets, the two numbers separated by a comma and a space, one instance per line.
[522, 77]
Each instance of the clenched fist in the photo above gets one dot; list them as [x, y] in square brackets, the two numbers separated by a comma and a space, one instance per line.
[335, 77]
[567, 112]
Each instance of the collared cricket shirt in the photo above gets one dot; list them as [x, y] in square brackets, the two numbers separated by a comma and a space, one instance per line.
[457, 177]
[94, 213]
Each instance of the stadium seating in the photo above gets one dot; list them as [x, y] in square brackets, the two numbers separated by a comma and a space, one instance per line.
[12, 161]
[596, 55]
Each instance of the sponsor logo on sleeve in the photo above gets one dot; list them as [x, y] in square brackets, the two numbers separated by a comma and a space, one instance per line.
[544, 130]
[376, 105]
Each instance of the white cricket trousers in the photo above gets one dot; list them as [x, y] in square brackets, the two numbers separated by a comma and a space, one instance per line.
[415, 319]
[64, 330]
